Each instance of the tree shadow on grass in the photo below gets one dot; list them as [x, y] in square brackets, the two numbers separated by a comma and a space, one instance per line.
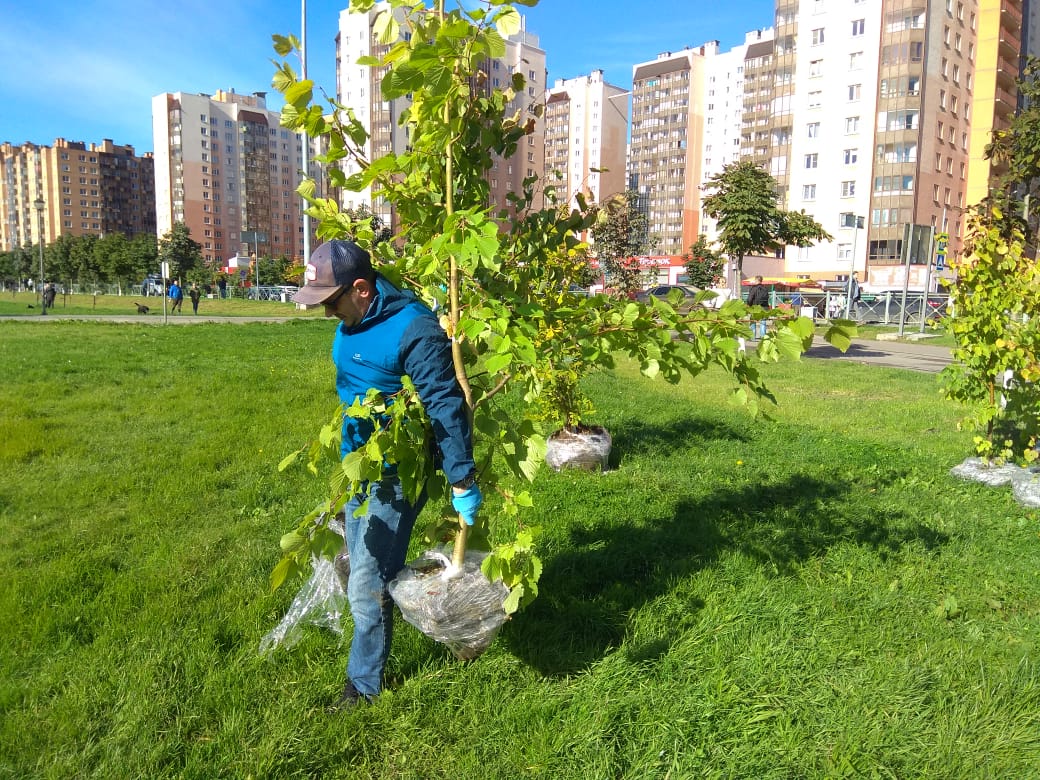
[643, 438]
[590, 588]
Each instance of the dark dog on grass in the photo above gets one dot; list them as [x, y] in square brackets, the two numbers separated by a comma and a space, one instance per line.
[141, 308]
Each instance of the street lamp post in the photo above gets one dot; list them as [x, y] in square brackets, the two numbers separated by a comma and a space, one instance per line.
[38, 203]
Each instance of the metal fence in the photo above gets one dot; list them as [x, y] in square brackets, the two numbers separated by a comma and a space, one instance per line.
[884, 308]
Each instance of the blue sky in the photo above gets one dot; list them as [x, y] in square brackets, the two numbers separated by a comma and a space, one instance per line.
[87, 70]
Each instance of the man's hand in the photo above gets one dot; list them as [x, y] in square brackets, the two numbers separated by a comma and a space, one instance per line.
[467, 501]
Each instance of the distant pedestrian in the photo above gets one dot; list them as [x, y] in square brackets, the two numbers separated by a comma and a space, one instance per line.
[854, 294]
[758, 295]
[176, 296]
[49, 291]
[222, 286]
[194, 294]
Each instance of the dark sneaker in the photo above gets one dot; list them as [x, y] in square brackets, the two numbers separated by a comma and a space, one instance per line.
[351, 697]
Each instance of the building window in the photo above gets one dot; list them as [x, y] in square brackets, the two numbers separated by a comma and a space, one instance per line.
[856, 60]
[811, 160]
[813, 129]
[851, 125]
[858, 27]
[815, 99]
[848, 189]
[854, 91]
[808, 192]
[817, 36]
[850, 156]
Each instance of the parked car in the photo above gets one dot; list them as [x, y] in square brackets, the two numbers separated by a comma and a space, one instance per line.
[152, 285]
[664, 291]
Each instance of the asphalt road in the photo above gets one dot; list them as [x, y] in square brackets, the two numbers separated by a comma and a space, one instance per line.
[914, 356]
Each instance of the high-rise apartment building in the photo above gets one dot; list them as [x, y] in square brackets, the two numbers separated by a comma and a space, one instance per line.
[586, 129]
[726, 102]
[880, 110]
[667, 140]
[1001, 39]
[227, 170]
[96, 190]
[358, 87]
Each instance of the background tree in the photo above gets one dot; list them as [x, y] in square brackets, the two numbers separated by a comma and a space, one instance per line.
[144, 255]
[16, 266]
[704, 264]
[180, 250]
[745, 204]
[620, 234]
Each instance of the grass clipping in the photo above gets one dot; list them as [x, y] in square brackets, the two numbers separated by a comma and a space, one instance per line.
[458, 607]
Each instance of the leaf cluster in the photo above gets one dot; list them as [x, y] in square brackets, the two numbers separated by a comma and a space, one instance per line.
[996, 326]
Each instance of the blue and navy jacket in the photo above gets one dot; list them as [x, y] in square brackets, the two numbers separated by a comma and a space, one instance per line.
[397, 336]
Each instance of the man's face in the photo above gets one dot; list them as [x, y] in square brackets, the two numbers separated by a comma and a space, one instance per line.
[349, 304]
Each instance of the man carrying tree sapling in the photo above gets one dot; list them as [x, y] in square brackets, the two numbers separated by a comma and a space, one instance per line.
[384, 334]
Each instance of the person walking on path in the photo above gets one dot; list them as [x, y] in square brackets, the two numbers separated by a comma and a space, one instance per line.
[176, 297]
[385, 333]
[194, 294]
[758, 295]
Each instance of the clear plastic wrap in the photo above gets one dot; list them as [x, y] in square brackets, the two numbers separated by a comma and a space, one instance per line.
[460, 609]
[1025, 482]
[320, 602]
[979, 470]
[587, 450]
[1026, 487]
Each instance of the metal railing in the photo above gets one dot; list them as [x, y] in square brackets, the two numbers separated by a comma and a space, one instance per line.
[886, 308]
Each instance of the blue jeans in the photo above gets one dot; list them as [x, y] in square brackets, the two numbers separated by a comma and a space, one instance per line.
[758, 329]
[378, 543]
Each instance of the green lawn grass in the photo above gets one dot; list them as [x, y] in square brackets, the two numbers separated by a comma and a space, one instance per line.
[26, 304]
[806, 596]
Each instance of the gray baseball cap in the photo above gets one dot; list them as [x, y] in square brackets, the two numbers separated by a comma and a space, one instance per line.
[333, 265]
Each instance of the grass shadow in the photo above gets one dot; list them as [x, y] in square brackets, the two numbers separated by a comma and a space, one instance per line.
[640, 437]
[604, 572]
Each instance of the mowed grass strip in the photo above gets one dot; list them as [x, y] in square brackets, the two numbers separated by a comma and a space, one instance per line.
[809, 595]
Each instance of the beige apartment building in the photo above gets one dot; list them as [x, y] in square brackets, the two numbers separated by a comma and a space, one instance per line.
[667, 142]
[95, 189]
[226, 169]
[586, 134]
[358, 87]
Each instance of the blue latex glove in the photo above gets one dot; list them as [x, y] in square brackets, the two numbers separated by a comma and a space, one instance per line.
[468, 502]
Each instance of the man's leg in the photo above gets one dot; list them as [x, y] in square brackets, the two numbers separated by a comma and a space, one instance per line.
[378, 543]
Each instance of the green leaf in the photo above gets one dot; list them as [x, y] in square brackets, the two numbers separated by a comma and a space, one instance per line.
[508, 22]
[283, 570]
[497, 363]
[512, 602]
[386, 28]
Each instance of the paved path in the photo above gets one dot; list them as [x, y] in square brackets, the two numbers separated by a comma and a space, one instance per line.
[914, 356]
[143, 319]
[896, 354]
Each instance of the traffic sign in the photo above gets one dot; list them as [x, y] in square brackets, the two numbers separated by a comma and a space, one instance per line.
[941, 242]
